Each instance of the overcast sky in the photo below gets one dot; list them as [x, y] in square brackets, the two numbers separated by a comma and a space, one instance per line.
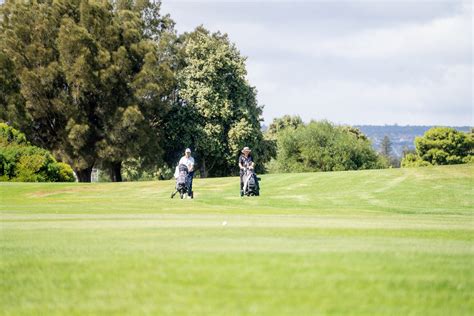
[354, 62]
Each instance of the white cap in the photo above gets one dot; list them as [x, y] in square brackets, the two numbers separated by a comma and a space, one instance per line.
[187, 150]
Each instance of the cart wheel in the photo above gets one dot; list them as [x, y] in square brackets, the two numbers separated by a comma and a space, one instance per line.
[181, 195]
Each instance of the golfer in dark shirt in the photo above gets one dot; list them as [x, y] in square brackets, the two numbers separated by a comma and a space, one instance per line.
[245, 161]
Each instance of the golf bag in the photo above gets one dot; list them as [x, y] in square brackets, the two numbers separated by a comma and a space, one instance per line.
[251, 186]
[182, 182]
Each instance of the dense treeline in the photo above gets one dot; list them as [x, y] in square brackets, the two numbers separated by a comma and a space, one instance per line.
[99, 83]
[94, 78]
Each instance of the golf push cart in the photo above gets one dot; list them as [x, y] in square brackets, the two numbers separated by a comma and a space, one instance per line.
[182, 183]
[251, 185]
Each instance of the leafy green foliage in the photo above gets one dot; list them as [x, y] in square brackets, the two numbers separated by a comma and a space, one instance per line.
[217, 112]
[441, 146]
[280, 123]
[322, 146]
[94, 76]
[61, 172]
[9, 135]
[137, 170]
[355, 131]
[12, 104]
[19, 161]
[287, 121]
[413, 160]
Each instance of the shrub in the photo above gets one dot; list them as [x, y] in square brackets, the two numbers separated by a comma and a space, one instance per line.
[32, 168]
[322, 146]
[413, 160]
[60, 172]
[20, 161]
[441, 146]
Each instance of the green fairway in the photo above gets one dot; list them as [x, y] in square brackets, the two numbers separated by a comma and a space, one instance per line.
[377, 242]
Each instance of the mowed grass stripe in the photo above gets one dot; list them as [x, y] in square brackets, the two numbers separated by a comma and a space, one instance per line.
[379, 221]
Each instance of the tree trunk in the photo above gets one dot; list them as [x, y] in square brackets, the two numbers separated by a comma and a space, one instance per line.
[116, 171]
[203, 169]
[84, 175]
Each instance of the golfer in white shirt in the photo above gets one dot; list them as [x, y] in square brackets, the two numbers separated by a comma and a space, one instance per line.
[189, 162]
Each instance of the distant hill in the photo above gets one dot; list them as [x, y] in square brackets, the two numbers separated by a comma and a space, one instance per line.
[401, 136]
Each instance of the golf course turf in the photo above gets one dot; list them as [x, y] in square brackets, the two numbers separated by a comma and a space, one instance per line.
[375, 242]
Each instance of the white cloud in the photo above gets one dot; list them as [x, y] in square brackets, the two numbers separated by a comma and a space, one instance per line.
[382, 103]
[351, 61]
[439, 39]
